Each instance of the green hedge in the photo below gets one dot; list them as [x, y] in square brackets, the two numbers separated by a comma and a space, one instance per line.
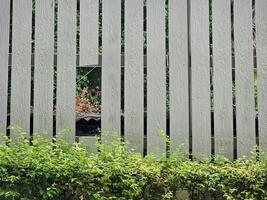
[56, 170]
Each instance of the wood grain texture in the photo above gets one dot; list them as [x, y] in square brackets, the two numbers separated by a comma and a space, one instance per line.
[261, 37]
[66, 68]
[245, 113]
[200, 60]
[21, 65]
[88, 32]
[44, 68]
[89, 143]
[156, 77]
[222, 69]
[111, 68]
[134, 78]
[4, 42]
[179, 97]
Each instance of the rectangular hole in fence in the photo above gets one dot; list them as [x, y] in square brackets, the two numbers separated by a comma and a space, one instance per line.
[88, 101]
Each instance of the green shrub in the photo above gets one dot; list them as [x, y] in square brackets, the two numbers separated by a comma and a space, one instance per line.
[57, 170]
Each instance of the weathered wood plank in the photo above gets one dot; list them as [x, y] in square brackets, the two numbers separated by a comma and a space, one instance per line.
[245, 113]
[134, 78]
[88, 32]
[261, 37]
[156, 77]
[201, 116]
[90, 143]
[66, 68]
[222, 69]
[111, 70]
[179, 97]
[4, 42]
[21, 65]
[44, 68]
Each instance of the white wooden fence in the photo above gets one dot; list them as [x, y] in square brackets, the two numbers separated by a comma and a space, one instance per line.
[192, 99]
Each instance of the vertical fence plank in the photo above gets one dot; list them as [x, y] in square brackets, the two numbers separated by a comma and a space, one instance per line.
[201, 119]
[66, 67]
[111, 68]
[178, 51]
[156, 77]
[134, 84]
[21, 65]
[245, 114]
[90, 143]
[261, 31]
[4, 41]
[222, 65]
[44, 67]
[88, 32]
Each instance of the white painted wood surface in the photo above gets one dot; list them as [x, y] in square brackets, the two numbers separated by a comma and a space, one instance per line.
[89, 142]
[66, 68]
[21, 65]
[88, 32]
[201, 116]
[179, 97]
[111, 68]
[156, 77]
[4, 45]
[156, 71]
[245, 112]
[44, 68]
[134, 75]
[261, 37]
[222, 69]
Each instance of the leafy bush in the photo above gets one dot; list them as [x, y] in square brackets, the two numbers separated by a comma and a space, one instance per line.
[57, 170]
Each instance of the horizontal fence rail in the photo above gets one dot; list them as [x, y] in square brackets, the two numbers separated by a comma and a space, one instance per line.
[177, 74]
